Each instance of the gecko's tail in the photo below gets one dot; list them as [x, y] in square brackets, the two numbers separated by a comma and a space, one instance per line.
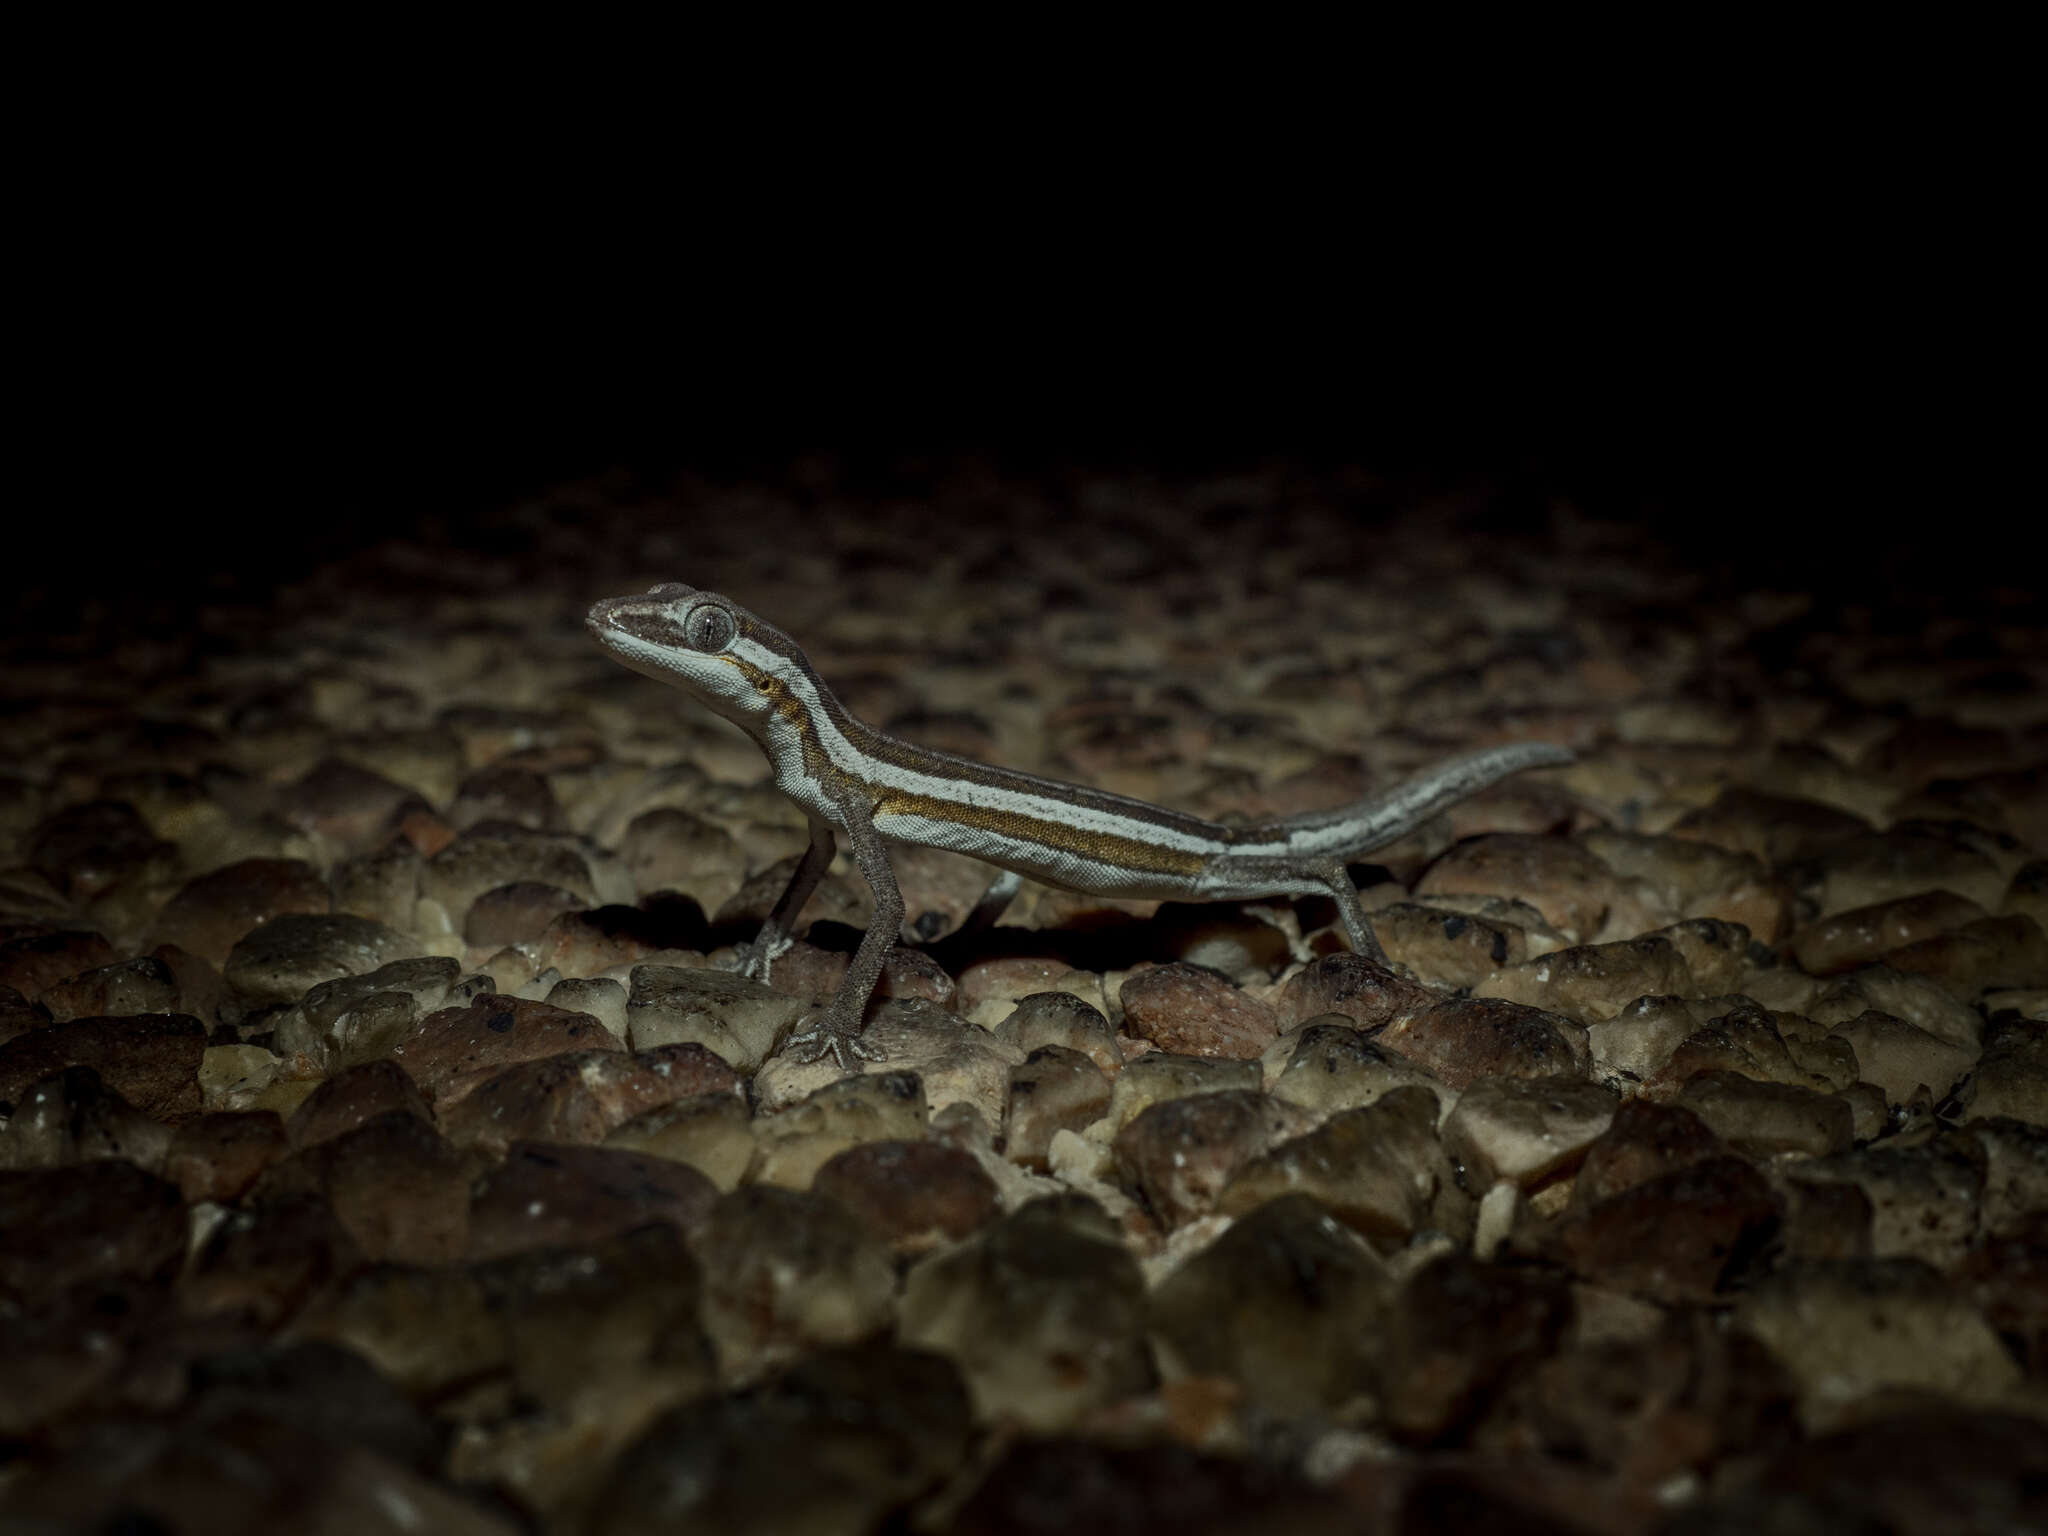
[1380, 819]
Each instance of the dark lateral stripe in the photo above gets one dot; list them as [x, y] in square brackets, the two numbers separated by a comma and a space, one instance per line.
[1098, 847]
[891, 751]
[770, 638]
[897, 753]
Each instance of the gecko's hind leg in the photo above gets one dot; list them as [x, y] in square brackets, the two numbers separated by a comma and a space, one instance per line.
[1337, 880]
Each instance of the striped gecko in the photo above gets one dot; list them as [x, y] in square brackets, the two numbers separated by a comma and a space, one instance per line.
[849, 777]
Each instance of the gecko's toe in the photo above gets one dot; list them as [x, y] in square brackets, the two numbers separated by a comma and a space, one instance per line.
[814, 1039]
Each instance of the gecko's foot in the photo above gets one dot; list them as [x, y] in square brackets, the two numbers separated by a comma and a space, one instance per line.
[826, 1033]
[755, 959]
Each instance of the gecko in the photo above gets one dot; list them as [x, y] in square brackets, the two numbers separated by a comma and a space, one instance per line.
[850, 778]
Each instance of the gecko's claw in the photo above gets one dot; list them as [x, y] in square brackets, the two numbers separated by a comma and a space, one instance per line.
[755, 959]
[825, 1033]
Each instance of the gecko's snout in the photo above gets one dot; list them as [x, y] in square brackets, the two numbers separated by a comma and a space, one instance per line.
[610, 614]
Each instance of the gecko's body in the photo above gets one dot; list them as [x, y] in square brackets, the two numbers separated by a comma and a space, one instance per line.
[849, 777]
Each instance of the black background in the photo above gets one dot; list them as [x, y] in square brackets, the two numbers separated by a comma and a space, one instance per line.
[212, 427]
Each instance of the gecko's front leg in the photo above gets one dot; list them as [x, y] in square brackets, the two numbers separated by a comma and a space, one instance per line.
[838, 1028]
[755, 959]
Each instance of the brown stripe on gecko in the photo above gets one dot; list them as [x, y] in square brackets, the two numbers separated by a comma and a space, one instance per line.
[965, 770]
[792, 709]
[896, 753]
[1084, 842]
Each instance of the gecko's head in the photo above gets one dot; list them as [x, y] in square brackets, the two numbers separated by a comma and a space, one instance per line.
[708, 644]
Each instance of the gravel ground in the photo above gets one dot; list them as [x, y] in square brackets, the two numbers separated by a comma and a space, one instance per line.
[384, 1145]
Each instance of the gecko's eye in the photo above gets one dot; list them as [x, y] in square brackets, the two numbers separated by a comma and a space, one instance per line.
[709, 628]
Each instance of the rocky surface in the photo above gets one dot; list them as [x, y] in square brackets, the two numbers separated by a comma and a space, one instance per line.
[385, 1142]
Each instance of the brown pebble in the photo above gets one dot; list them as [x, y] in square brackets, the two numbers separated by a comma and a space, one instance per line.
[911, 1194]
[690, 1069]
[591, 1329]
[398, 1189]
[1593, 982]
[495, 854]
[1460, 1329]
[1849, 1329]
[545, 1195]
[1906, 859]
[1698, 879]
[2007, 1279]
[671, 849]
[346, 804]
[1823, 1220]
[1178, 1155]
[141, 985]
[1460, 1039]
[1571, 887]
[2015, 1174]
[1935, 747]
[913, 973]
[1863, 934]
[507, 792]
[1764, 1119]
[73, 1117]
[1333, 1066]
[582, 943]
[1674, 1238]
[1062, 1019]
[1718, 953]
[219, 1156]
[430, 1331]
[1054, 1089]
[712, 1132]
[516, 913]
[574, 1097]
[1367, 994]
[1921, 1468]
[382, 885]
[786, 1272]
[1527, 1129]
[85, 849]
[1447, 948]
[452, 1050]
[1915, 999]
[1644, 1141]
[104, 1223]
[18, 1015]
[353, 1097]
[805, 970]
[1289, 1303]
[151, 1060]
[267, 1259]
[1777, 829]
[199, 984]
[1745, 1039]
[215, 911]
[1380, 1170]
[840, 1442]
[1042, 1310]
[1004, 978]
[1157, 1076]
[290, 955]
[1925, 1197]
[1979, 957]
[1902, 1058]
[33, 963]
[1195, 1012]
